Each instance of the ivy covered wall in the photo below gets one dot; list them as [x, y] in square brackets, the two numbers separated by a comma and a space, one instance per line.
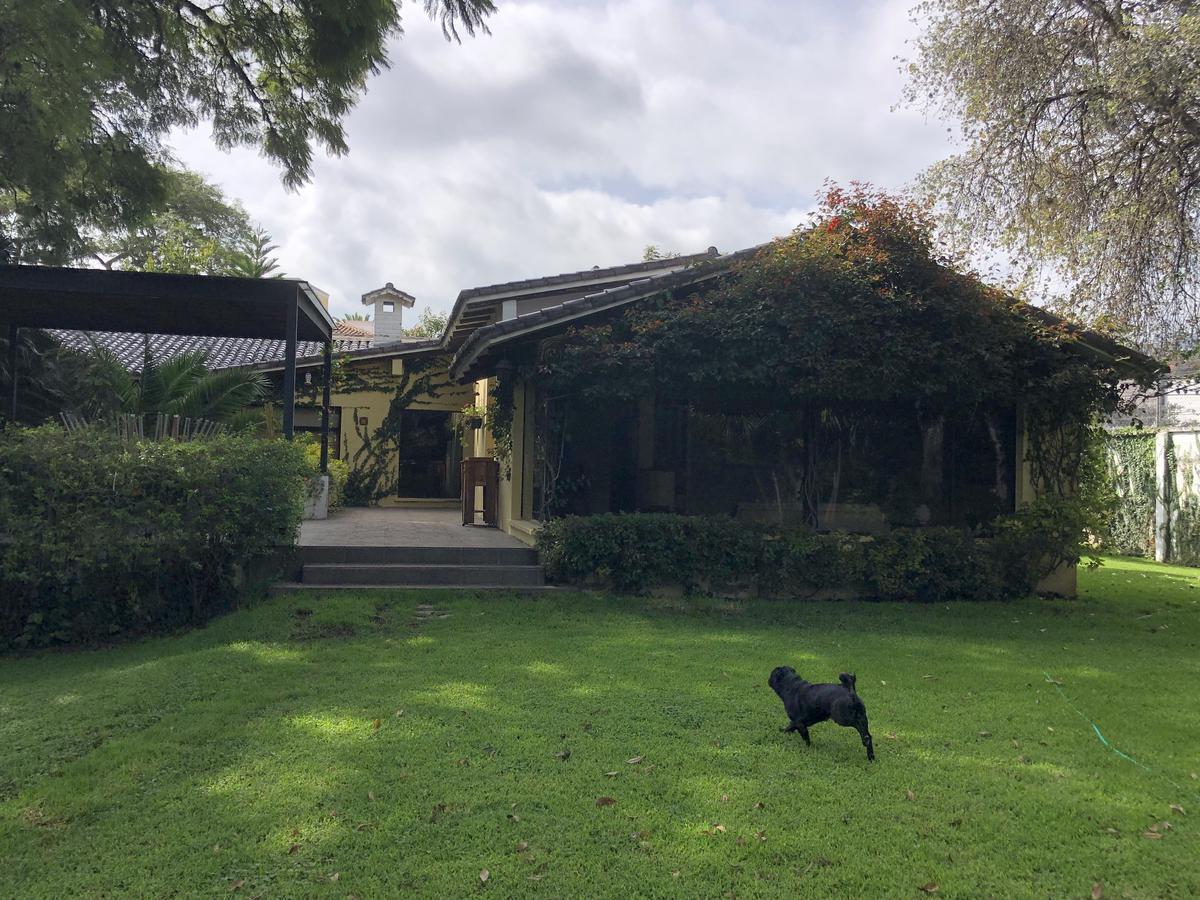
[1130, 459]
[1147, 466]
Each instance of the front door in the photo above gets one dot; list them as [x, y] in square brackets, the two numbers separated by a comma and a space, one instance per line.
[426, 455]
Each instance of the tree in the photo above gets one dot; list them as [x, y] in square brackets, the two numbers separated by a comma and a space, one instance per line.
[357, 317]
[653, 253]
[430, 324]
[197, 229]
[256, 261]
[1081, 147]
[182, 385]
[91, 88]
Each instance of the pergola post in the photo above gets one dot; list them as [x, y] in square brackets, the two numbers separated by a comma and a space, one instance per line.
[289, 370]
[326, 377]
[12, 372]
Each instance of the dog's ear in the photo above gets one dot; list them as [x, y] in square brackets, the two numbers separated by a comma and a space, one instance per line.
[847, 679]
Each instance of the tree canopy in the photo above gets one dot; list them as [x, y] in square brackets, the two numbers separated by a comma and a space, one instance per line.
[91, 88]
[1081, 147]
[197, 230]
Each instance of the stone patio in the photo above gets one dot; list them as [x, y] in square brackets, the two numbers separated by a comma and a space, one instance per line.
[373, 527]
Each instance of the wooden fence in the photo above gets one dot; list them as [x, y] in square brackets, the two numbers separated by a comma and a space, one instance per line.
[133, 427]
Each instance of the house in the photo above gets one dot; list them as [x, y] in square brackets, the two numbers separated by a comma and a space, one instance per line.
[403, 411]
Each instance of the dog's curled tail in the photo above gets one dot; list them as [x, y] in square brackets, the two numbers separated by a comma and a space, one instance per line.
[847, 680]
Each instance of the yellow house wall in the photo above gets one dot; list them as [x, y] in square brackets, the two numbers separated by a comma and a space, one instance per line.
[373, 405]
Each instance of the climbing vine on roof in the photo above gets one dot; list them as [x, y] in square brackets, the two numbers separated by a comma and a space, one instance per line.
[855, 309]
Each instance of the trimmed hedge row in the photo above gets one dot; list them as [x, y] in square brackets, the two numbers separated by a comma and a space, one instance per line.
[636, 552]
[99, 538]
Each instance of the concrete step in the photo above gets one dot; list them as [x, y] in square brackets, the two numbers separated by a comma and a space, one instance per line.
[429, 556]
[287, 586]
[447, 575]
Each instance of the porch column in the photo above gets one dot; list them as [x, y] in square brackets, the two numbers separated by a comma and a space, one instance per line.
[12, 372]
[289, 370]
[326, 375]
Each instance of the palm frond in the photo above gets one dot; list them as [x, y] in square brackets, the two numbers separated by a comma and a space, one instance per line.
[219, 395]
[173, 381]
[114, 387]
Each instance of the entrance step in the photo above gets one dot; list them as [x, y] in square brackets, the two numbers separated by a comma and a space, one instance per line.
[399, 575]
[418, 556]
[493, 567]
[421, 503]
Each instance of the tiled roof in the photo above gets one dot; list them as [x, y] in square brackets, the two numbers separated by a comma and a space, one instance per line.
[222, 352]
[707, 267]
[353, 328]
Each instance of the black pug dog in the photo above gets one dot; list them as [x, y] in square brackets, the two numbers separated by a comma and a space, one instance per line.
[807, 704]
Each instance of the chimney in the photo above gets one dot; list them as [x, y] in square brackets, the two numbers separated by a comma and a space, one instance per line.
[388, 302]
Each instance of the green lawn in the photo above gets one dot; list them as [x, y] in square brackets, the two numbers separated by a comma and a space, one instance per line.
[369, 749]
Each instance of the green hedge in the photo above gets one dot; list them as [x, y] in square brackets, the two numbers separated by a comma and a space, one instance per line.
[638, 552]
[100, 539]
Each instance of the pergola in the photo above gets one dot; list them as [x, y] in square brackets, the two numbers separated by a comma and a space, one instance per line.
[154, 303]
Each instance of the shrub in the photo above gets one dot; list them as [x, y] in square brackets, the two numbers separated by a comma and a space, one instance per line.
[339, 471]
[931, 565]
[102, 538]
[637, 552]
[798, 561]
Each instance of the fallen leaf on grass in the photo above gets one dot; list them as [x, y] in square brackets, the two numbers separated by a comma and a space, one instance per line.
[759, 805]
[933, 677]
[1152, 835]
[724, 798]
[513, 817]
[985, 734]
[891, 735]
[335, 876]
[761, 835]
[606, 801]
[910, 795]
[292, 849]
[611, 774]
[375, 723]
[1097, 891]
[930, 888]
[371, 796]
[398, 713]
[522, 846]
[635, 760]
[1175, 807]
[237, 885]
[718, 827]
[563, 754]
[484, 875]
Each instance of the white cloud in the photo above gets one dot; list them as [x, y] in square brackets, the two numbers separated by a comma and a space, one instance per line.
[580, 132]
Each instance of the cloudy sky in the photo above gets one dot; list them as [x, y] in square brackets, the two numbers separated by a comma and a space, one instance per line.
[582, 130]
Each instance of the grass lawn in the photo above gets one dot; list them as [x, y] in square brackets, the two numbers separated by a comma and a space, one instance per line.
[370, 750]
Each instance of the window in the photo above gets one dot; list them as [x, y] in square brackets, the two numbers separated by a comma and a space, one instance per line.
[389, 306]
